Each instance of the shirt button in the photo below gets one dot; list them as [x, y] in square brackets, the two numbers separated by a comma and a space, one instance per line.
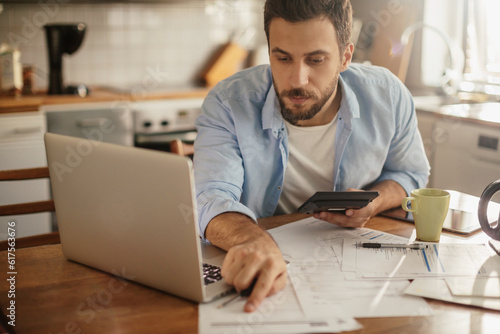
[279, 187]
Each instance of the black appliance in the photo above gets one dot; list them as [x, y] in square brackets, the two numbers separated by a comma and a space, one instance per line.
[61, 39]
[491, 231]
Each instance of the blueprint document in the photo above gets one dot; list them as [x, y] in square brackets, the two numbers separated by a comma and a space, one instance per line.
[315, 251]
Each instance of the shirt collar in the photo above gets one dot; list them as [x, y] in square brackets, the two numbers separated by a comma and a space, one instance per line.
[349, 106]
[271, 114]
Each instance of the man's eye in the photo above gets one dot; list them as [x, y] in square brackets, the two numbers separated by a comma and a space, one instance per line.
[283, 59]
[316, 61]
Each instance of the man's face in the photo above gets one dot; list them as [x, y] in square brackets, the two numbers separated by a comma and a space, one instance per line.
[306, 63]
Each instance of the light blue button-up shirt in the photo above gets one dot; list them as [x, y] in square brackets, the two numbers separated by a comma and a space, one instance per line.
[241, 150]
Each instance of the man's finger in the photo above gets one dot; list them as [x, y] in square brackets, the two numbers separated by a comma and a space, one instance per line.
[232, 264]
[267, 282]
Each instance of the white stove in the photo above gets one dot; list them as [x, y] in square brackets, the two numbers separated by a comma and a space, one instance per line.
[157, 122]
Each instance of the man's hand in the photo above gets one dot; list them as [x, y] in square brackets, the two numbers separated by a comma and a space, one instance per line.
[256, 259]
[351, 217]
[391, 195]
[252, 255]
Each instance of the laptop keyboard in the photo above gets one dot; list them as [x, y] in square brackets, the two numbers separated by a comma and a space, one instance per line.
[211, 273]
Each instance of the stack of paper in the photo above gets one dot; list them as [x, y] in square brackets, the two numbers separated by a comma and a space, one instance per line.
[481, 292]
[460, 273]
[439, 260]
[280, 313]
[315, 251]
[332, 281]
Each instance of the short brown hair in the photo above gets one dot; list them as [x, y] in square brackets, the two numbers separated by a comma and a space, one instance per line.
[339, 12]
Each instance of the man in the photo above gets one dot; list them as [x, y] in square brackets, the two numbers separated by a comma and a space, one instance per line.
[270, 137]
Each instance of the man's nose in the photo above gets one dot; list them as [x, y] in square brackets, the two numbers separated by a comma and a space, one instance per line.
[299, 75]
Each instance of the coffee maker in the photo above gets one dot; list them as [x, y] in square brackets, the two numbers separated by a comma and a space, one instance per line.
[61, 39]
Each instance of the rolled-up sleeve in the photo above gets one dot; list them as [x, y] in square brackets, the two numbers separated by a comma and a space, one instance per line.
[406, 161]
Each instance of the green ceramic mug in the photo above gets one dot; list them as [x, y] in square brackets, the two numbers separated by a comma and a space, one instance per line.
[429, 207]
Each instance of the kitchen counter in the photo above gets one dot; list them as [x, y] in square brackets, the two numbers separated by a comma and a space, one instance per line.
[12, 104]
[485, 113]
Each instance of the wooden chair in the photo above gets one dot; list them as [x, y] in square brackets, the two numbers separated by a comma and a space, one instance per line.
[26, 208]
[179, 147]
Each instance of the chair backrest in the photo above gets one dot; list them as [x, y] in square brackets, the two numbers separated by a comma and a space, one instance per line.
[26, 208]
[179, 147]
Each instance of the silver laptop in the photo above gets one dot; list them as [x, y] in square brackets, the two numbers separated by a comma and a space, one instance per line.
[131, 212]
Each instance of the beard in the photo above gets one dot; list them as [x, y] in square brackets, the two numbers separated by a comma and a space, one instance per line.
[297, 113]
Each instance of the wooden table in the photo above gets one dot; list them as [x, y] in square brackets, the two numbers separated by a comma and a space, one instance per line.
[54, 295]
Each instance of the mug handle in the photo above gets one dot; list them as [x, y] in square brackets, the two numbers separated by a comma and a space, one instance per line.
[404, 204]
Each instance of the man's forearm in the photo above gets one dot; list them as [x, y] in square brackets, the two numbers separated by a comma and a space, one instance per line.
[391, 195]
[229, 229]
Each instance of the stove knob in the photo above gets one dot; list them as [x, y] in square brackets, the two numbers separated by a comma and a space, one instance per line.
[147, 124]
[164, 123]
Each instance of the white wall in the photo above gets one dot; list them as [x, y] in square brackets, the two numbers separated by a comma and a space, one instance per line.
[125, 43]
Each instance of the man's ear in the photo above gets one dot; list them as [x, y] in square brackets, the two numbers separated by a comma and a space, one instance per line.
[347, 57]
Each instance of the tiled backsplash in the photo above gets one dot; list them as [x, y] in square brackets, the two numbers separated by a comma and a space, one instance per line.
[126, 45]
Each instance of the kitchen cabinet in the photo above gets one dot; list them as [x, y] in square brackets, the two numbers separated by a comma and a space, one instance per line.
[462, 143]
[467, 156]
[103, 115]
[21, 146]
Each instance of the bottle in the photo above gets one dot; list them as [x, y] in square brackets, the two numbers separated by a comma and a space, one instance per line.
[11, 69]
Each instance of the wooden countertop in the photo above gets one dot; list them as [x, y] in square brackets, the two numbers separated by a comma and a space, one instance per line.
[11, 104]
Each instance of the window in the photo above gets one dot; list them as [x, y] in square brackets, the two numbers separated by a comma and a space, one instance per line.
[483, 46]
[442, 38]
[472, 26]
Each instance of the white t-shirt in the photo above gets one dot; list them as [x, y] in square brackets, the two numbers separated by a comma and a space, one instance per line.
[310, 164]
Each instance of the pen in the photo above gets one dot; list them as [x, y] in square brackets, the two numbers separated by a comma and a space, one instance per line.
[244, 293]
[382, 245]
